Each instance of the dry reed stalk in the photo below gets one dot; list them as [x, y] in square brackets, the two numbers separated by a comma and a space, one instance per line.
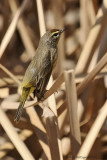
[93, 61]
[62, 121]
[30, 113]
[25, 124]
[93, 39]
[52, 134]
[36, 125]
[79, 79]
[61, 108]
[6, 81]
[101, 50]
[91, 11]
[35, 121]
[43, 157]
[57, 83]
[57, 7]
[9, 128]
[10, 74]
[92, 135]
[87, 80]
[92, 74]
[72, 111]
[40, 130]
[80, 109]
[60, 80]
[42, 28]
[15, 104]
[10, 31]
[102, 46]
[95, 5]
[84, 20]
[7, 146]
[23, 31]
[51, 99]
[27, 109]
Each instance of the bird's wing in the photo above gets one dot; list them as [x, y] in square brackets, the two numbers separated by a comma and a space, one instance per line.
[29, 74]
[37, 71]
[44, 74]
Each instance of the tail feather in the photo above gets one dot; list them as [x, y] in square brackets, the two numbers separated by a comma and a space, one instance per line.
[25, 94]
[19, 112]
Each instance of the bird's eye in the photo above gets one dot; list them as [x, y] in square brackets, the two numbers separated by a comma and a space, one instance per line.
[55, 35]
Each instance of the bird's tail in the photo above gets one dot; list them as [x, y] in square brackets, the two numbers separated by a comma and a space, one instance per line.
[25, 94]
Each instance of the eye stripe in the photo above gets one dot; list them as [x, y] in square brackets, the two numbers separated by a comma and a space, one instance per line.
[54, 33]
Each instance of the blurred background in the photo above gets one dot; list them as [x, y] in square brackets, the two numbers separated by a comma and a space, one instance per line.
[80, 48]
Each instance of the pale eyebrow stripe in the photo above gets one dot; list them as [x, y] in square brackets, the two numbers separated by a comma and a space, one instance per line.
[54, 32]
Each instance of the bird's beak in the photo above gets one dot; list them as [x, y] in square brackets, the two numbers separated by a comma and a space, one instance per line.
[62, 30]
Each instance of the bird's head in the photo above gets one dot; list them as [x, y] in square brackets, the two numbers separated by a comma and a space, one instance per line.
[51, 37]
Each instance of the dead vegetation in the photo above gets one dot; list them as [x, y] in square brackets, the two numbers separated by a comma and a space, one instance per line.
[72, 121]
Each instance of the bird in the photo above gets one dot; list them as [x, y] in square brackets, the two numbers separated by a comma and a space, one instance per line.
[40, 68]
